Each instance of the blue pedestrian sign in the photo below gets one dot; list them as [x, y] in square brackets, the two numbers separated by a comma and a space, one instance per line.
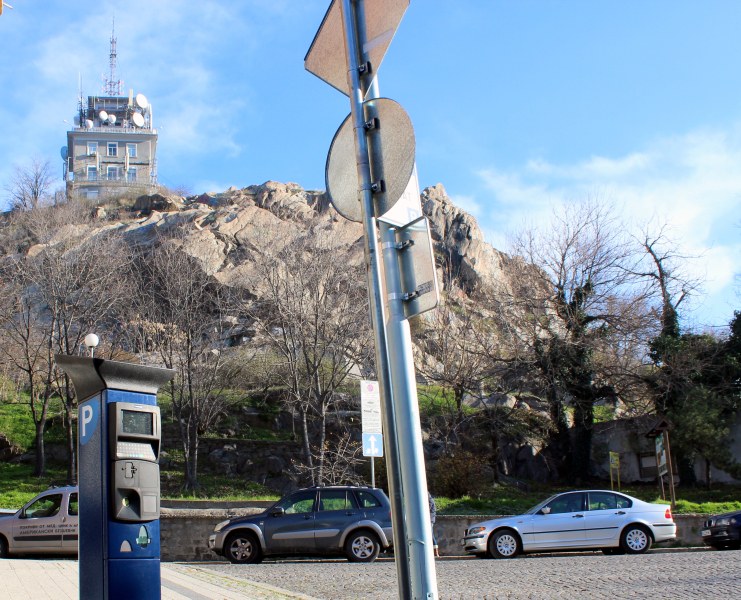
[373, 444]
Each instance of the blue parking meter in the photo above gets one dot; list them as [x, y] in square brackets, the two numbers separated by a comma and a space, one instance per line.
[119, 435]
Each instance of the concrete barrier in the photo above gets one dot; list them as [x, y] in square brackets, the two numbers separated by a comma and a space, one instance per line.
[184, 532]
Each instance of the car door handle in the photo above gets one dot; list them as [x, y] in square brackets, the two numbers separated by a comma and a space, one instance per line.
[307, 517]
[577, 517]
[349, 514]
[620, 512]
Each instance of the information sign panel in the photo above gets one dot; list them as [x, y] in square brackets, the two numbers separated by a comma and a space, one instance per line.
[370, 407]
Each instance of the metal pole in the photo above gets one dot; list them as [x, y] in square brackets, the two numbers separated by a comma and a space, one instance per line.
[403, 402]
[412, 463]
[671, 469]
[353, 46]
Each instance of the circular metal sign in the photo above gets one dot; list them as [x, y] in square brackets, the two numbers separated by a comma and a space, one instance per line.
[391, 147]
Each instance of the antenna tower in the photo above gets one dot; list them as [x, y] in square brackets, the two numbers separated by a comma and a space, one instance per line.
[112, 86]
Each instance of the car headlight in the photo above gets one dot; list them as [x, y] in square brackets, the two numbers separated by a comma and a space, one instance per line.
[475, 530]
[721, 522]
[220, 526]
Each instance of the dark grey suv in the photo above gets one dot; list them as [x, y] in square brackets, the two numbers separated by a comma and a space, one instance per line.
[323, 521]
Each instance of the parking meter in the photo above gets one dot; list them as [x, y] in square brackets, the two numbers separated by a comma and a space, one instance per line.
[134, 438]
[119, 437]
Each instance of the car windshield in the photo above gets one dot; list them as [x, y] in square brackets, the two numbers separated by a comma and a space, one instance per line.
[540, 505]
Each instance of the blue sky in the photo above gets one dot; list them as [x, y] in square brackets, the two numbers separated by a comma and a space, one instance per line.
[516, 105]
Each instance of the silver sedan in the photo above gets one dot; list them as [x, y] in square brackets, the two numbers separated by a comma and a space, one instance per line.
[613, 522]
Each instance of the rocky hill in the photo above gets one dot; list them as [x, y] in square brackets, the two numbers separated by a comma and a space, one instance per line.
[228, 229]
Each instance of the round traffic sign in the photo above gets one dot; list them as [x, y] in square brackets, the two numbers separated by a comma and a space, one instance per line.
[391, 148]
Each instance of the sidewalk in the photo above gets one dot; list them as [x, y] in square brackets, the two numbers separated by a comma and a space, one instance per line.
[24, 579]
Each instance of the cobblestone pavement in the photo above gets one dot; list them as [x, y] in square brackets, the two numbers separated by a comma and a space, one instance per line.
[665, 575]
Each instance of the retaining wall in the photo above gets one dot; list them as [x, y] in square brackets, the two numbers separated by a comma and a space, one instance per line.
[184, 532]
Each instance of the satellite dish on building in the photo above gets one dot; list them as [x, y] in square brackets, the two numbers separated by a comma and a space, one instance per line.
[103, 116]
[141, 101]
[88, 123]
[63, 152]
[111, 119]
[138, 119]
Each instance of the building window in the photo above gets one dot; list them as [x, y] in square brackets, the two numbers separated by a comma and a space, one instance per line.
[112, 148]
[92, 148]
[131, 150]
[91, 194]
[131, 175]
[92, 173]
[112, 173]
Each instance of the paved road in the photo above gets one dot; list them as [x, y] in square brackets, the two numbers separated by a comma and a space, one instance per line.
[675, 575]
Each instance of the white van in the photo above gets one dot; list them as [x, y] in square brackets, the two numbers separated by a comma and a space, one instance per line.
[48, 524]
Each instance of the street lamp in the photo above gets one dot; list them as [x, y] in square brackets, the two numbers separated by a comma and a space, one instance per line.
[91, 341]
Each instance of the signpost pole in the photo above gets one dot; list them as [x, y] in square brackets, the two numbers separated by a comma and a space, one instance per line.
[375, 286]
[417, 528]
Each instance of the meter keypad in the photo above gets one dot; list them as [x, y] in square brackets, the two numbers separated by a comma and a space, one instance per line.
[134, 450]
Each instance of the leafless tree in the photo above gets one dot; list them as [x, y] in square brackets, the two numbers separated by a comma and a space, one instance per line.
[67, 281]
[27, 348]
[181, 315]
[313, 314]
[582, 297]
[29, 187]
[339, 462]
[458, 343]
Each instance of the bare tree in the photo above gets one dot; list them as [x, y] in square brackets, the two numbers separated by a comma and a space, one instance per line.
[313, 314]
[27, 348]
[663, 267]
[182, 316]
[581, 296]
[29, 187]
[67, 280]
[458, 344]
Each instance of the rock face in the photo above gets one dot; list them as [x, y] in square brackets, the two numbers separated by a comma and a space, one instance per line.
[457, 238]
[8, 450]
[232, 229]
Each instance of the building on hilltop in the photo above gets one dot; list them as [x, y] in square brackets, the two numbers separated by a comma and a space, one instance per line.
[112, 146]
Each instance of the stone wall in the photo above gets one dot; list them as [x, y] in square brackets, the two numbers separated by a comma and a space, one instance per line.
[184, 532]
[264, 462]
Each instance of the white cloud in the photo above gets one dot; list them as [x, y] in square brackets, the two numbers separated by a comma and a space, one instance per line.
[690, 182]
[467, 203]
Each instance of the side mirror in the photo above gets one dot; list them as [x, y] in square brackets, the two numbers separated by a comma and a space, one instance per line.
[279, 512]
[545, 510]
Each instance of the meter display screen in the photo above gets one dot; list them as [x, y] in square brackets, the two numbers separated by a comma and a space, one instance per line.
[133, 421]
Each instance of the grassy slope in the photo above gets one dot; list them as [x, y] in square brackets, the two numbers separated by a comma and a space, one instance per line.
[17, 485]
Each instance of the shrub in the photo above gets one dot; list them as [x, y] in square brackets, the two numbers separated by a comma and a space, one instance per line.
[460, 474]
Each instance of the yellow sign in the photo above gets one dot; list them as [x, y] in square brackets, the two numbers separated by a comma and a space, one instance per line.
[614, 466]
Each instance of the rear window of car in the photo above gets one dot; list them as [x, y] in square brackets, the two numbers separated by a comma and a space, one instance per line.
[73, 506]
[367, 500]
[623, 502]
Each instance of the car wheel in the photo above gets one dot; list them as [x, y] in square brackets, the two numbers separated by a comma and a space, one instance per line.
[635, 540]
[504, 544]
[362, 546]
[3, 548]
[242, 548]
